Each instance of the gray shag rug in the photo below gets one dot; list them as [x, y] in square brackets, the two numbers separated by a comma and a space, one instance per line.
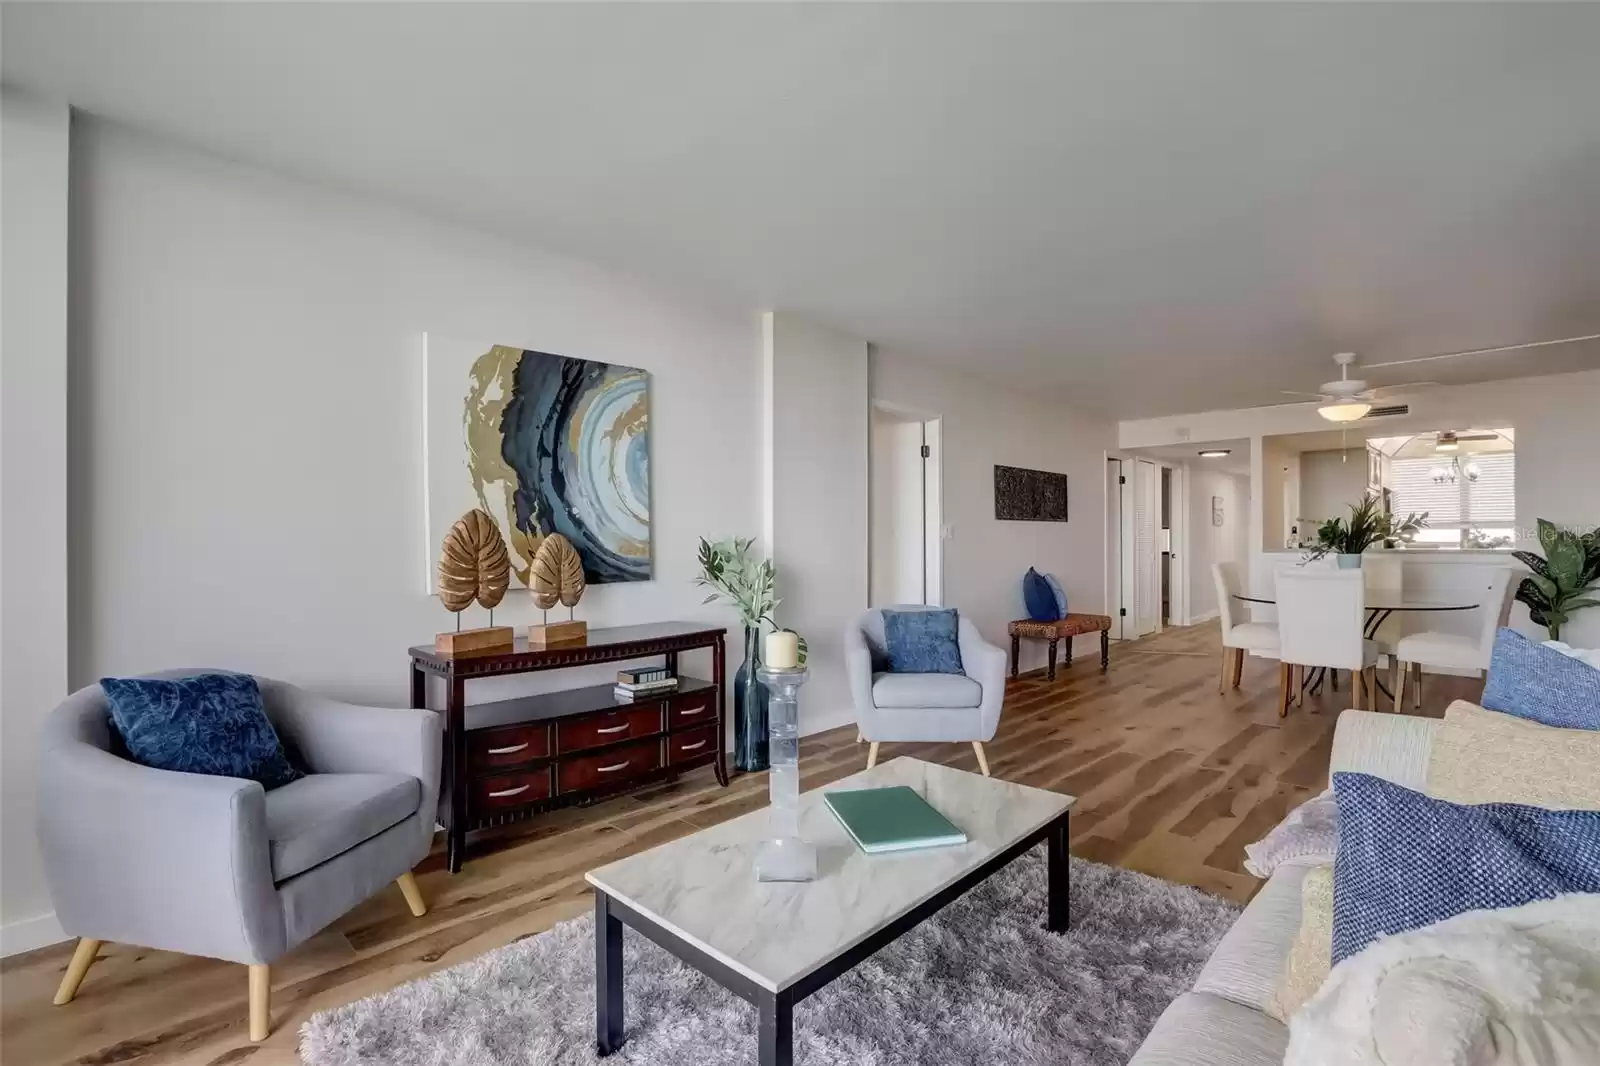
[981, 981]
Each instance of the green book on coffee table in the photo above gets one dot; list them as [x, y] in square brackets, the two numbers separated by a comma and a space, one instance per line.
[891, 819]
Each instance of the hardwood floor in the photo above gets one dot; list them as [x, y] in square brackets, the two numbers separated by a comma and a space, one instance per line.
[1172, 779]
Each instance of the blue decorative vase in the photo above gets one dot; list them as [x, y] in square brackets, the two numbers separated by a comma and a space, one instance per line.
[749, 708]
[1349, 562]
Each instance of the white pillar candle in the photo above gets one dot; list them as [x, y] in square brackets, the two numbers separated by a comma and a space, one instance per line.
[783, 650]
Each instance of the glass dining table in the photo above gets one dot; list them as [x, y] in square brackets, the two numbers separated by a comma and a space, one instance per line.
[1380, 605]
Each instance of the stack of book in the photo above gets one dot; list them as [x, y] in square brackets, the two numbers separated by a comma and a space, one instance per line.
[643, 682]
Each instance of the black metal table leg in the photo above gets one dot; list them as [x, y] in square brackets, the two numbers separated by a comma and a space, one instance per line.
[776, 1011]
[1059, 877]
[607, 976]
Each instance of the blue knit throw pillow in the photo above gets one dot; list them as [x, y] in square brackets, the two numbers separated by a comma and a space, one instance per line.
[1532, 681]
[1038, 597]
[1060, 595]
[206, 724]
[922, 642]
[1406, 860]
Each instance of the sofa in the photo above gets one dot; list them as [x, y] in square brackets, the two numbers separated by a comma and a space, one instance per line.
[1222, 1020]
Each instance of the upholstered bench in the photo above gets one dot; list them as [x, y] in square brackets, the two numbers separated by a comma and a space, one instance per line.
[1065, 629]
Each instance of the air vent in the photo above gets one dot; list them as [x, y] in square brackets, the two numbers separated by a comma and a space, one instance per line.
[1390, 411]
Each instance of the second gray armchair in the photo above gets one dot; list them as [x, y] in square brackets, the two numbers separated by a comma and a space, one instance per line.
[217, 866]
[893, 707]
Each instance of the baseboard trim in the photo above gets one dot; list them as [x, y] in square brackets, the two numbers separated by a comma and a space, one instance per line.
[30, 934]
[1208, 616]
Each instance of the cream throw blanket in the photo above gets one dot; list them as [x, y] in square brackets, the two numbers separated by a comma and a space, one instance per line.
[1514, 987]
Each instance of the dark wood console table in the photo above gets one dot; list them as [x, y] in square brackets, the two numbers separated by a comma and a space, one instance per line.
[512, 759]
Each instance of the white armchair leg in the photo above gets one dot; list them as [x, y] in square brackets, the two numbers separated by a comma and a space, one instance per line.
[872, 755]
[983, 762]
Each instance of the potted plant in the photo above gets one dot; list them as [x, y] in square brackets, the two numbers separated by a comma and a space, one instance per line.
[1570, 565]
[735, 576]
[1368, 524]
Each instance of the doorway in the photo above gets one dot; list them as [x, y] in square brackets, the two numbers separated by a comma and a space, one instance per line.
[1146, 583]
[906, 514]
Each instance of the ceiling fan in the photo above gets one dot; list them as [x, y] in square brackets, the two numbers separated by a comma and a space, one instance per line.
[1348, 399]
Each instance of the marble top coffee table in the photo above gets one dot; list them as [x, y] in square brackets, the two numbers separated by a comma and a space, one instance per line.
[776, 944]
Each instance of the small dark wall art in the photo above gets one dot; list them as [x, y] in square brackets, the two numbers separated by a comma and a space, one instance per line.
[1022, 495]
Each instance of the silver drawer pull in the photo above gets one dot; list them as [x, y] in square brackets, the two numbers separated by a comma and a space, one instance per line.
[512, 750]
[614, 767]
[623, 728]
[693, 747]
[691, 714]
[519, 790]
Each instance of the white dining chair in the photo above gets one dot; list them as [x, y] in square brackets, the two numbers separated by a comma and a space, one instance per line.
[1321, 617]
[1455, 651]
[1238, 635]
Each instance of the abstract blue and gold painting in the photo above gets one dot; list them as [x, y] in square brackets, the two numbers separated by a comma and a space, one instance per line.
[546, 444]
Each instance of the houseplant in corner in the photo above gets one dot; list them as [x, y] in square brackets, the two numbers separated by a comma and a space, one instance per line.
[1569, 566]
[1367, 526]
[730, 570]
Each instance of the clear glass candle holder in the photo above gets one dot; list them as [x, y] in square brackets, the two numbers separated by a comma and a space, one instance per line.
[783, 856]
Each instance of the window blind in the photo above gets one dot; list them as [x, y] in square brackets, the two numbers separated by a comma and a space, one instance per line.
[1488, 501]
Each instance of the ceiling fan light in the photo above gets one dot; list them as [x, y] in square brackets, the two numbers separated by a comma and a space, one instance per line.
[1446, 446]
[1344, 412]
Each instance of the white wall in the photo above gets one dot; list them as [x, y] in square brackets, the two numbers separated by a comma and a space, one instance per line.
[1227, 543]
[33, 488]
[816, 498]
[984, 560]
[1330, 482]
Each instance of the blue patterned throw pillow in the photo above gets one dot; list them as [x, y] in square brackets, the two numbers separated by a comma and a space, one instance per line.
[922, 642]
[1039, 598]
[206, 724]
[1406, 860]
[1532, 681]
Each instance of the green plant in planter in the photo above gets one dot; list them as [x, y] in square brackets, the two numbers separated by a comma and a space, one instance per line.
[731, 570]
[1366, 527]
[1569, 566]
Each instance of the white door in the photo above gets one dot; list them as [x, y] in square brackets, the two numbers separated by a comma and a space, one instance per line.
[898, 534]
[1146, 547]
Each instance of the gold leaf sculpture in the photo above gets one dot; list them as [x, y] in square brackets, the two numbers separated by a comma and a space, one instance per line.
[557, 574]
[473, 563]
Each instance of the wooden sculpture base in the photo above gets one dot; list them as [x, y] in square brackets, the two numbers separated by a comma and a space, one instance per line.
[475, 641]
[557, 633]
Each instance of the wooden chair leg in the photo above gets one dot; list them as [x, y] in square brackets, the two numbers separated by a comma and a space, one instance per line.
[1285, 680]
[260, 1001]
[872, 755]
[1358, 689]
[1401, 670]
[82, 958]
[1416, 686]
[860, 738]
[1299, 686]
[1227, 670]
[1238, 665]
[983, 761]
[408, 888]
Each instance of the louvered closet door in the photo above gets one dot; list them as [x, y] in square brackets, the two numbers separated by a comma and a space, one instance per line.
[1146, 561]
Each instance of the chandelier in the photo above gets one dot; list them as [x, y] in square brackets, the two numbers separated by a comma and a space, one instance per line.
[1450, 474]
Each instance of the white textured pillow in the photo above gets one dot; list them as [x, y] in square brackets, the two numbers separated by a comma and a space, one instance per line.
[1310, 834]
[1481, 756]
[1586, 655]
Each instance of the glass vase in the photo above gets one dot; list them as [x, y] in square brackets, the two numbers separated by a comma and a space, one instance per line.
[750, 708]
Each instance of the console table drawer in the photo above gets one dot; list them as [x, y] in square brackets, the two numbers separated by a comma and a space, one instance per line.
[508, 747]
[681, 747]
[606, 767]
[511, 790]
[595, 730]
[692, 710]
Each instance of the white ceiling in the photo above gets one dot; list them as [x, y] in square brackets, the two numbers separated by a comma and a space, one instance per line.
[1162, 208]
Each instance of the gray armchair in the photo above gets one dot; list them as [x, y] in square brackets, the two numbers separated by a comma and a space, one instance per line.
[923, 707]
[217, 866]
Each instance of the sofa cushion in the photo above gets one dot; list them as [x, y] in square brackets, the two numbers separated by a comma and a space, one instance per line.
[1451, 859]
[1198, 1029]
[311, 820]
[923, 642]
[1311, 958]
[925, 690]
[1532, 681]
[210, 724]
[1248, 961]
[1480, 756]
